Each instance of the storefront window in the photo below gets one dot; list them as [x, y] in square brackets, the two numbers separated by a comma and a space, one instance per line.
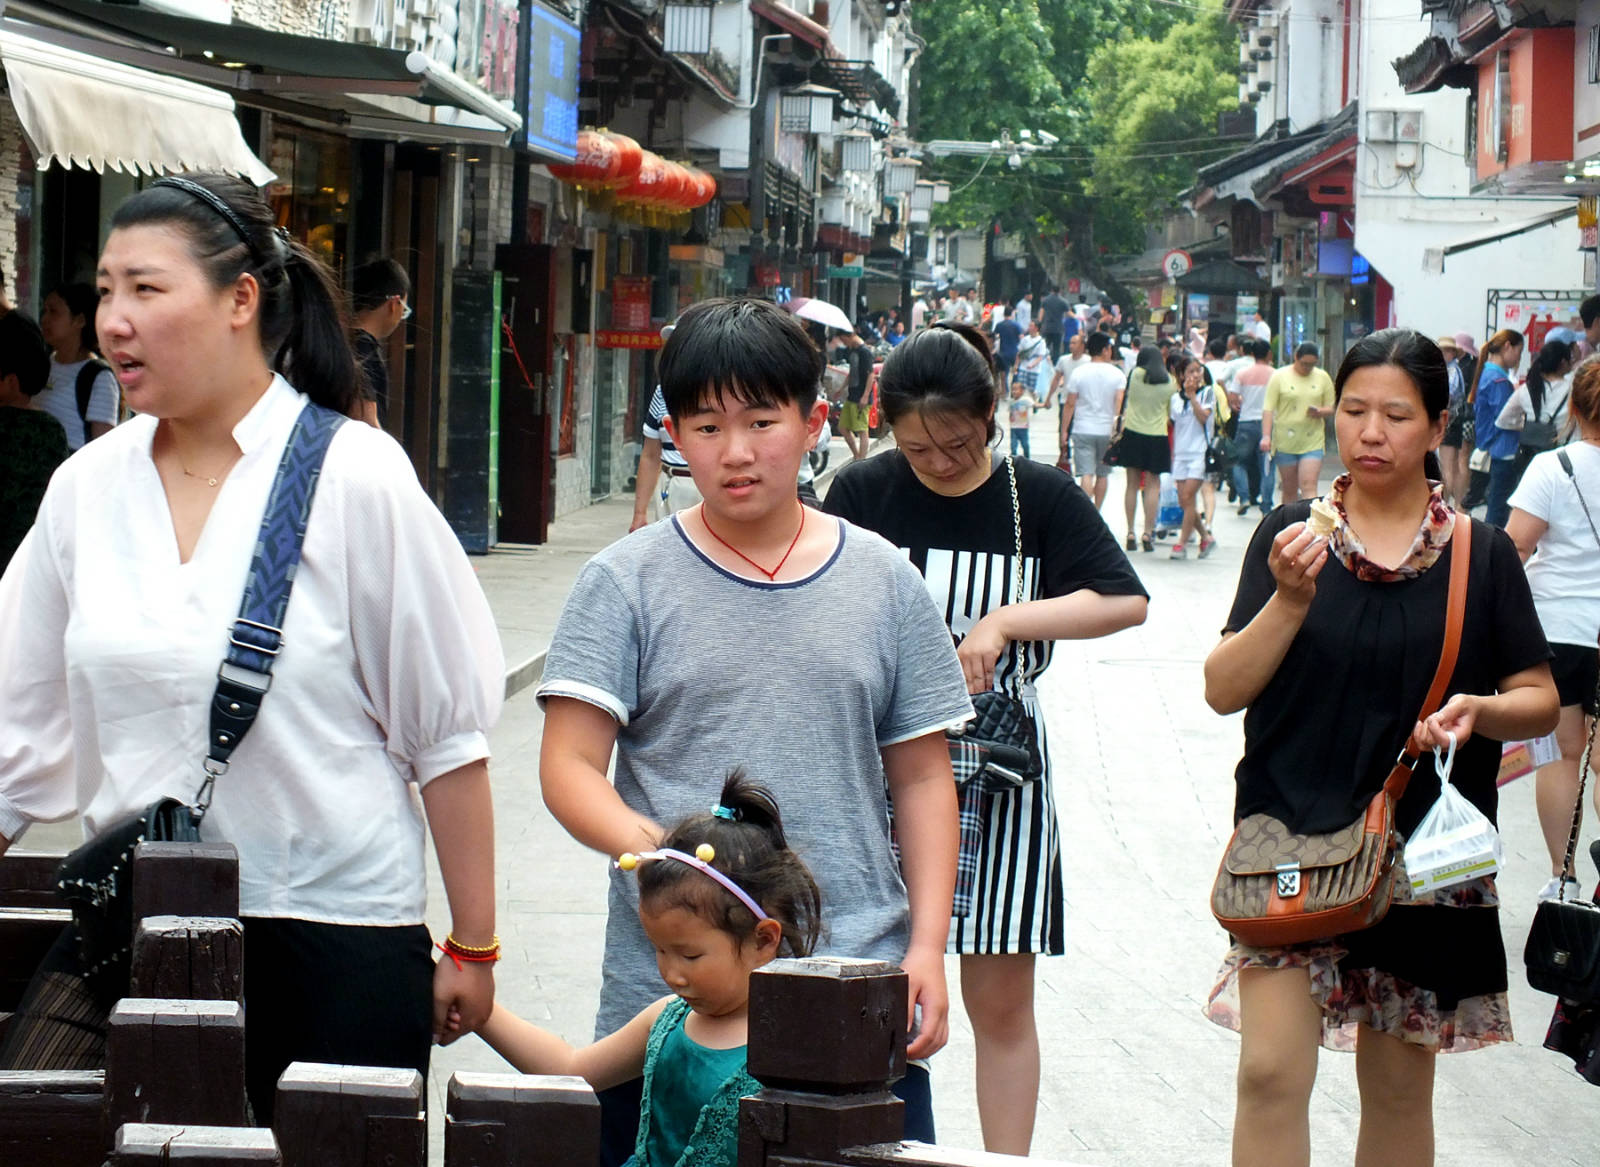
[311, 197]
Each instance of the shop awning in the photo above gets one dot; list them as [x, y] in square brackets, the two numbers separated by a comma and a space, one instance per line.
[1221, 276]
[1433, 258]
[80, 110]
[246, 59]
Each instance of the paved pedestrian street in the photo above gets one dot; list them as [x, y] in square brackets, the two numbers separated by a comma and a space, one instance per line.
[1133, 1074]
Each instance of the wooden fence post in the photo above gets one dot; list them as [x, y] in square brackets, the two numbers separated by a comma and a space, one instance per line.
[155, 1145]
[350, 1116]
[52, 1119]
[827, 1039]
[188, 958]
[185, 879]
[175, 1062]
[520, 1120]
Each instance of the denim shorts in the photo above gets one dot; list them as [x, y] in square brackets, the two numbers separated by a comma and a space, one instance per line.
[1296, 459]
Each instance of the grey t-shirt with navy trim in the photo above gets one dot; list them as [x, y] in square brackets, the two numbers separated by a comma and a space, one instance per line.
[705, 671]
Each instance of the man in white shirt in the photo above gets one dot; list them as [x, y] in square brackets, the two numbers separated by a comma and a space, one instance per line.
[1216, 362]
[1092, 405]
[1023, 312]
[1071, 361]
[1258, 327]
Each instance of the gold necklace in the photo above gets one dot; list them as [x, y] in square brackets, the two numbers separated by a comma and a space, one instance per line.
[209, 479]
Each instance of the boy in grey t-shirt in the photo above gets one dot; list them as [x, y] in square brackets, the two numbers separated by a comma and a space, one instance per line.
[683, 650]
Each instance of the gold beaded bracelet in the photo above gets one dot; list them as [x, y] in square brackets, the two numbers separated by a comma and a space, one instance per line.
[489, 949]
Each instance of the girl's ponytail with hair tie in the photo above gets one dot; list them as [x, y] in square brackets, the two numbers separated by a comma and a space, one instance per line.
[731, 814]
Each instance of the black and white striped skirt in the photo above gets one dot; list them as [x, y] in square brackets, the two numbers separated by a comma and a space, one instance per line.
[1019, 901]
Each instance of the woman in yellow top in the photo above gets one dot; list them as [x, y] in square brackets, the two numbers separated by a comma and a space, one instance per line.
[1299, 396]
[1144, 451]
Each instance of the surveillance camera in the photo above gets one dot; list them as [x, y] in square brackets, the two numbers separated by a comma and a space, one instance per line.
[1025, 135]
[1014, 161]
[1048, 138]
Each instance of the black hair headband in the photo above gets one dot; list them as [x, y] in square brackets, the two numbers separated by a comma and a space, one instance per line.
[220, 205]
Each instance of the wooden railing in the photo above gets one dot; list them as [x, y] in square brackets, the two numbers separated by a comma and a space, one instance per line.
[827, 1039]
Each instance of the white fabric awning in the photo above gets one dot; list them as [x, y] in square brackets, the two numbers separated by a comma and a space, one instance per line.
[82, 110]
[1433, 258]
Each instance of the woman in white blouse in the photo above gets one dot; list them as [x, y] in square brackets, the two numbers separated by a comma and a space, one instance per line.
[115, 612]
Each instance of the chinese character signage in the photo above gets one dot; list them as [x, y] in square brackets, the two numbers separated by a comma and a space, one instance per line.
[624, 338]
[630, 303]
[550, 111]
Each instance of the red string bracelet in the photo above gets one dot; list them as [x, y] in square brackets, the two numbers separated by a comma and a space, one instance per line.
[460, 952]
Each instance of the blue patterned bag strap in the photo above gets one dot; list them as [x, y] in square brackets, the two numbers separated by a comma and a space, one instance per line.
[256, 637]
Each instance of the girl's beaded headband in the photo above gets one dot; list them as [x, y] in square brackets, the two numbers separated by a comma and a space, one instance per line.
[701, 861]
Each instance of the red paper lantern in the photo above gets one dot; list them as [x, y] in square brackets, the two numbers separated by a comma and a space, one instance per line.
[597, 163]
[649, 184]
[702, 189]
[629, 158]
[680, 182]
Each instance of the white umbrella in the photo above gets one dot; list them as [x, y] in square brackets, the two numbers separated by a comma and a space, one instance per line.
[821, 312]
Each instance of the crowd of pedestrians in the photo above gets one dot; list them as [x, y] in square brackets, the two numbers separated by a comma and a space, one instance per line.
[751, 810]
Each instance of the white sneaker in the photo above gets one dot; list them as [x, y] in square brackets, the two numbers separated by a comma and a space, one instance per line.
[1552, 890]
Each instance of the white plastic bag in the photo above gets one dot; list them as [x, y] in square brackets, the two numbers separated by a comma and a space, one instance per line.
[1454, 842]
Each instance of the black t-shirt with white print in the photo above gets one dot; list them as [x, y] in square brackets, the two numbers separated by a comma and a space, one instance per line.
[965, 546]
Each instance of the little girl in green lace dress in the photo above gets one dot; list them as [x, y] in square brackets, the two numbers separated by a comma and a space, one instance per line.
[722, 896]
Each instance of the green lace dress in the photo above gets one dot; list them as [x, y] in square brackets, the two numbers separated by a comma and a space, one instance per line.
[689, 1116]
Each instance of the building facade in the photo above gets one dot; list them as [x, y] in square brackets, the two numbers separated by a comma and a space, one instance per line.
[444, 133]
[1362, 202]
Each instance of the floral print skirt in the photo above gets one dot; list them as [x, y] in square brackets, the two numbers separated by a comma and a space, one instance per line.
[1350, 995]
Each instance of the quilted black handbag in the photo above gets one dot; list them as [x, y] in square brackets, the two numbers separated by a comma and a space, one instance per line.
[96, 879]
[1001, 726]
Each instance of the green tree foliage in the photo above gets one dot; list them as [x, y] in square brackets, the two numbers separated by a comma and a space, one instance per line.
[1156, 102]
[1054, 65]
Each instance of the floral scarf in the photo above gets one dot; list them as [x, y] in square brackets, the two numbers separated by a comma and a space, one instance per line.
[1437, 525]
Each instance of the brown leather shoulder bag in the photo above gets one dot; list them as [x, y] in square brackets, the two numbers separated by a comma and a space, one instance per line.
[1275, 887]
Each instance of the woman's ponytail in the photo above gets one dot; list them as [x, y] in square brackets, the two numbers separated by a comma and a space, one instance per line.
[315, 355]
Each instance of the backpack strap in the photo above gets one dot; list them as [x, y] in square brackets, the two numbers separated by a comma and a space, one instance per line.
[256, 638]
[84, 384]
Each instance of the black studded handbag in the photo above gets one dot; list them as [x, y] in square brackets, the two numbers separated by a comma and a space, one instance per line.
[96, 879]
[96, 882]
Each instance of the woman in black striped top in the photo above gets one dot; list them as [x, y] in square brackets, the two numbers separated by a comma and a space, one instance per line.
[945, 498]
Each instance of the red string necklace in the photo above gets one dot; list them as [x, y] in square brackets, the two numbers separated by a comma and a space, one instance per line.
[773, 574]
